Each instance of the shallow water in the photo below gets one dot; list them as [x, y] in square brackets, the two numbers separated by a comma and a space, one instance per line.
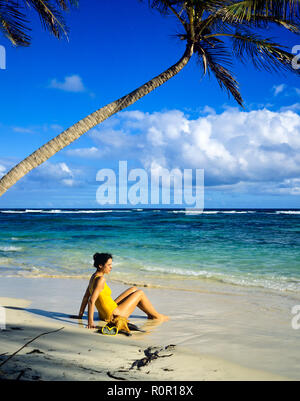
[173, 248]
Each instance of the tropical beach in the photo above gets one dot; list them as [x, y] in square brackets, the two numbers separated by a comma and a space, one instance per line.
[231, 323]
[189, 347]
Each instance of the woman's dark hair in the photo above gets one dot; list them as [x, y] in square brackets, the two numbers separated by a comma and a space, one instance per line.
[101, 258]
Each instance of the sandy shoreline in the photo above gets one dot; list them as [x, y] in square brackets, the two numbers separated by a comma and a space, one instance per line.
[75, 353]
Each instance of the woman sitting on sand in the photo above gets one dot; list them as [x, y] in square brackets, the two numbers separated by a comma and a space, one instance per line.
[98, 293]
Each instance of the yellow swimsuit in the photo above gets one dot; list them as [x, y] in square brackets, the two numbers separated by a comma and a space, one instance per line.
[105, 304]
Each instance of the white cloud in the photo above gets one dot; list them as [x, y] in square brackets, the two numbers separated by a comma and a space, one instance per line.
[69, 182]
[293, 107]
[72, 83]
[285, 90]
[92, 152]
[278, 89]
[35, 129]
[64, 168]
[49, 174]
[56, 127]
[23, 130]
[208, 110]
[257, 148]
[51, 170]
[2, 170]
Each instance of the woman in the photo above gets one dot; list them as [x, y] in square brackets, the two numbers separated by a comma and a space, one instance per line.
[98, 293]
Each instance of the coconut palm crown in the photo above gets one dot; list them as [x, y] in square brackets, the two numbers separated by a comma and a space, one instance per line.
[14, 22]
[219, 30]
[216, 32]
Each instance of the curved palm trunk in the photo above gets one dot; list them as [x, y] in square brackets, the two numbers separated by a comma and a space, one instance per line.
[81, 127]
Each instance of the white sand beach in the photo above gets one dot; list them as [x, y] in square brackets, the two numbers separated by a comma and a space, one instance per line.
[227, 336]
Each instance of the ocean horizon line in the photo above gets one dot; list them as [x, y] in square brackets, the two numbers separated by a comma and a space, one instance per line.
[147, 208]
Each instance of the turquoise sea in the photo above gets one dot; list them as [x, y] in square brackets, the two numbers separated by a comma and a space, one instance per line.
[171, 248]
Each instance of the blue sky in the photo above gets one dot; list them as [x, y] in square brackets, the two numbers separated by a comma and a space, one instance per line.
[250, 157]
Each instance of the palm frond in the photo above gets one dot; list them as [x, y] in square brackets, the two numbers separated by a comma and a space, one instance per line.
[264, 53]
[13, 23]
[163, 6]
[245, 13]
[213, 55]
[168, 7]
[66, 5]
[247, 10]
[264, 22]
[50, 16]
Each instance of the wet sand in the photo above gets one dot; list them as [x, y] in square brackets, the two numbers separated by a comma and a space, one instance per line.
[228, 336]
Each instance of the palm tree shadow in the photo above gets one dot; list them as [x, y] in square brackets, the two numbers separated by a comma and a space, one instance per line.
[62, 317]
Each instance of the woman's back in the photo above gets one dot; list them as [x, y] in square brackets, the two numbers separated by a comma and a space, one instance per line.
[104, 303]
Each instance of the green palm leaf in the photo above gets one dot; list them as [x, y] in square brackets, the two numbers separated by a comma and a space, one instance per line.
[50, 16]
[65, 5]
[264, 53]
[288, 24]
[14, 21]
[213, 55]
[246, 10]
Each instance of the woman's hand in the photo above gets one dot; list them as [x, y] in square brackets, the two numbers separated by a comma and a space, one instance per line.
[75, 316]
[91, 326]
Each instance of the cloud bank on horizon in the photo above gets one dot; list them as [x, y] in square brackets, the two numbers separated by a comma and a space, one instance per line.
[238, 150]
[255, 152]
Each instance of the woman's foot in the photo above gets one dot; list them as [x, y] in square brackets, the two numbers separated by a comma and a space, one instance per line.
[159, 317]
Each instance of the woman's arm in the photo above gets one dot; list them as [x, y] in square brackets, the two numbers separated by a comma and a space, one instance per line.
[91, 303]
[84, 302]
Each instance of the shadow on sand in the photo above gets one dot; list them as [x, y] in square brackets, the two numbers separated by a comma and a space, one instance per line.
[146, 327]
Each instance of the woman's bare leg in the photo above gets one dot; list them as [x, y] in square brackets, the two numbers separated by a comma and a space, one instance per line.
[140, 299]
[125, 294]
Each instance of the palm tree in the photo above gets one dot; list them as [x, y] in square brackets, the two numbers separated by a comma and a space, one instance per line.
[214, 31]
[14, 23]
